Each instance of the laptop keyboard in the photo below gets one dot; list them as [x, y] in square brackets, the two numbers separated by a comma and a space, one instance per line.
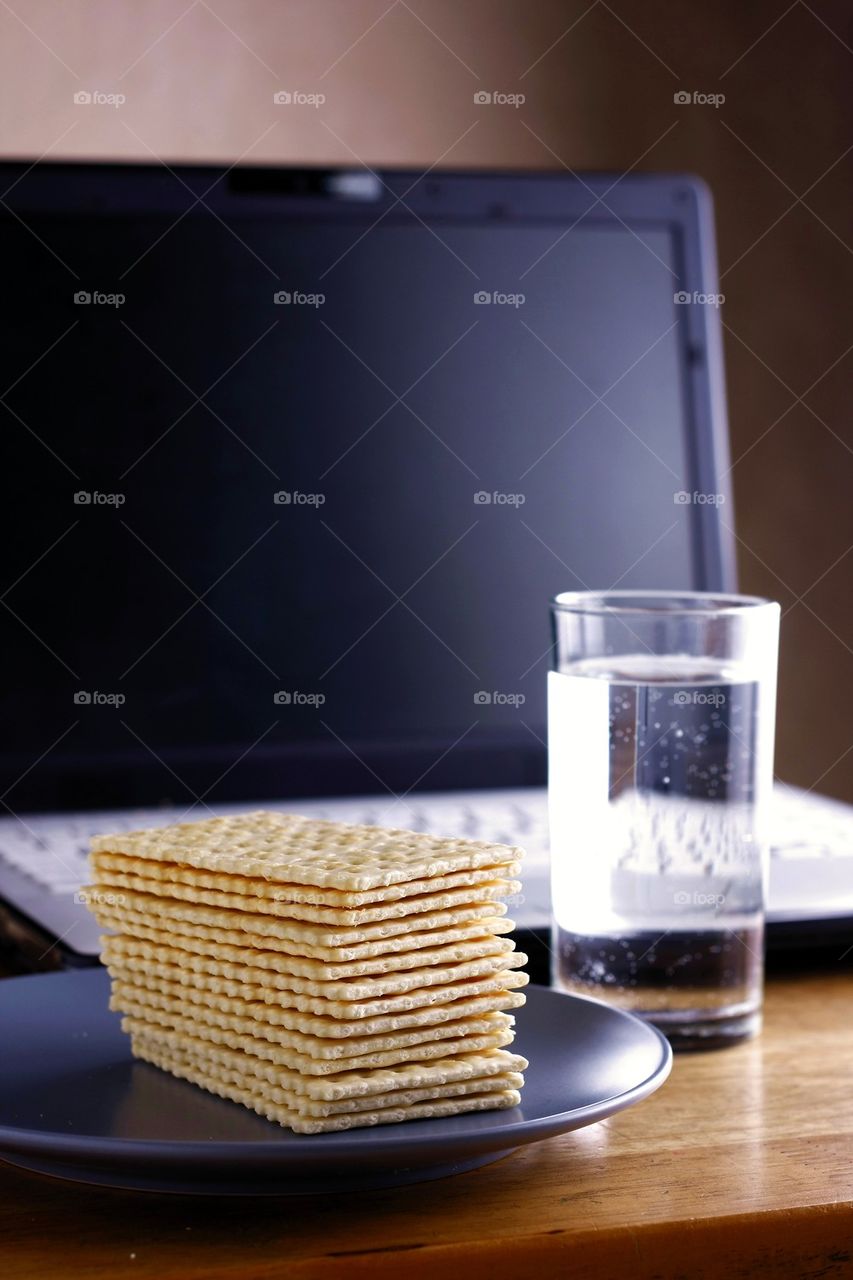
[52, 850]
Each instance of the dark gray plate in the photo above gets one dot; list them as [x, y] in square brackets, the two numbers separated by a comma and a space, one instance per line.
[73, 1103]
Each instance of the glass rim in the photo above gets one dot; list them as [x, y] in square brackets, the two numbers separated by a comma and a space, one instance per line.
[687, 603]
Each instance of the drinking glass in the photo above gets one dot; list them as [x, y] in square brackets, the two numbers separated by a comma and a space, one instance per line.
[661, 712]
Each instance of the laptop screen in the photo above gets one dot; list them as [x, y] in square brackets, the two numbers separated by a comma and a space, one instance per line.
[299, 490]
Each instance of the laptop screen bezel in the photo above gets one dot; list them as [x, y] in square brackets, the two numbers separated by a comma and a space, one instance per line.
[679, 203]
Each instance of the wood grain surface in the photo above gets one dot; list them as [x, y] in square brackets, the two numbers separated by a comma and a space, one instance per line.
[742, 1165]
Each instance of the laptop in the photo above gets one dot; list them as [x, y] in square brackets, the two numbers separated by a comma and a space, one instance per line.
[299, 459]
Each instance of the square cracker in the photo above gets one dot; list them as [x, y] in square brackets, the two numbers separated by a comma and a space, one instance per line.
[249, 1073]
[259, 1101]
[185, 967]
[205, 955]
[291, 932]
[302, 942]
[313, 1035]
[156, 890]
[288, 1049]
[309, 851]
[342, 1084]
[104, 864]
[314, 1014]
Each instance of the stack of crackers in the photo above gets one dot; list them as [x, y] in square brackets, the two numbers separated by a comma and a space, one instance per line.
[327, 976]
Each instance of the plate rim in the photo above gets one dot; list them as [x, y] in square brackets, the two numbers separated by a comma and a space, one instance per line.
[502, 1134]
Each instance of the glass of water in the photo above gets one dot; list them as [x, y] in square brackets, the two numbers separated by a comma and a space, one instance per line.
[661, 713]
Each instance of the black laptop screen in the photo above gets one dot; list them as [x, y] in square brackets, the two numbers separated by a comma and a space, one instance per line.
[314, 483]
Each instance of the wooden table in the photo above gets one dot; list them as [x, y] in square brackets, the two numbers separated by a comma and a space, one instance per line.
[742, 1165]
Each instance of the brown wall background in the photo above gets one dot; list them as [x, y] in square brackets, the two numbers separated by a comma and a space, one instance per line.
[599, 79]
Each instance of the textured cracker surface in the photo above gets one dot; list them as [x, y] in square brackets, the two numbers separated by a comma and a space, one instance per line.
[206, 937]
[184, 967]
[312, 1057]
[207, 956]
[342, 1084]
[328, 917]
[326, 976]
[288, 932]
[104, 863]
[259, 1101]
[308, 851]
[320, 1037]
[317, 1016]
[239, 1069]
